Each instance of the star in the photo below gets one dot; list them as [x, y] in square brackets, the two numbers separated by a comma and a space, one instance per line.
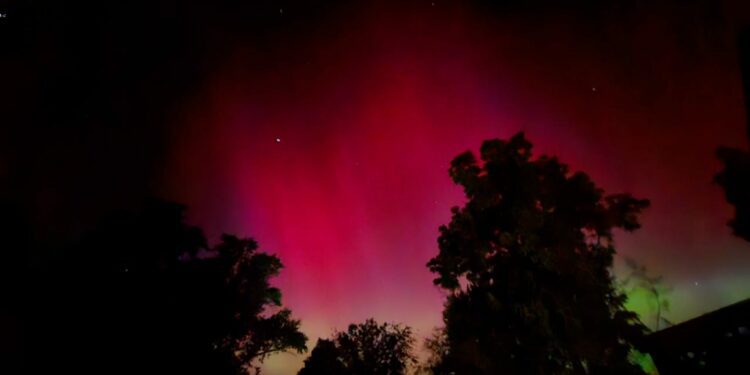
[278, 140]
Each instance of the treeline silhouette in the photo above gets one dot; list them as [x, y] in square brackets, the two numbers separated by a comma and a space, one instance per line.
[526, 265]
[366, 348]
[145, 293]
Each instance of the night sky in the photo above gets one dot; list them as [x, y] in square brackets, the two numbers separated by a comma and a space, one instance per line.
[325, 131]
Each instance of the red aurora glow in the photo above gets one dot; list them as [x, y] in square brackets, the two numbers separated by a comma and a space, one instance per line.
[330, 146]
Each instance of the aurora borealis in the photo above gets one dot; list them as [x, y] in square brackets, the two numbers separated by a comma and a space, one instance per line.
[325, 132]
[330, 144]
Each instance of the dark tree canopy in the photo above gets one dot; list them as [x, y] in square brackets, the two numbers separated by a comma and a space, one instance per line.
[735, 180]
[325, 359]
[367, 348]
[528, 262]
[144, 293]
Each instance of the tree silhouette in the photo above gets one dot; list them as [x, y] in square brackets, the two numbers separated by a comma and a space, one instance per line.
[436, 346]
[144, 293]
[639, 279]
[735, 180]
[527, 262]
[367, 348]
[254, 329]
[325, 359]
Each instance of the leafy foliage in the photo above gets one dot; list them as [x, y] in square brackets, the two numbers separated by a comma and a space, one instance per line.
[527, 262]
[436, 346]
[325, 359]
[639, 279]
[145, 294]
[254, 332]
[367, 348]
[735, 180]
